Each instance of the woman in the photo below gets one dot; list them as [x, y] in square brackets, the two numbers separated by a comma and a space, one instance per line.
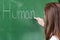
[51, 21]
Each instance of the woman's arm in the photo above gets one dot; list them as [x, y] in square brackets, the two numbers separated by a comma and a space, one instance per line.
[40, 20]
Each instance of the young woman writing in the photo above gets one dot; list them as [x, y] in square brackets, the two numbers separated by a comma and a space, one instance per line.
[51, 21]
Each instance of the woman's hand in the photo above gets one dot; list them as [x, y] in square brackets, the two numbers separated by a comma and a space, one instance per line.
[40, 20]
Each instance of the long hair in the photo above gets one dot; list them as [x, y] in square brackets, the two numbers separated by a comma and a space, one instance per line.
[52, 20]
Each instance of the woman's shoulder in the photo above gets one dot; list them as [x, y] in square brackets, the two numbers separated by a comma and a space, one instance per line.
[54, 38]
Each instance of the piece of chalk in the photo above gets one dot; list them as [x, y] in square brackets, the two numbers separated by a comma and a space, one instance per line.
[34, 17]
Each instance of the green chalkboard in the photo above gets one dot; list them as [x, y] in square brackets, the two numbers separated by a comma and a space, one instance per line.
[16, 19]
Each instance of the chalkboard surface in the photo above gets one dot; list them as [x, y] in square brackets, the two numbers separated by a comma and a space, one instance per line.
[16, 19]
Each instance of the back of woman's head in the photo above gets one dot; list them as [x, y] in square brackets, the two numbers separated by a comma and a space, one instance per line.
[52, 20]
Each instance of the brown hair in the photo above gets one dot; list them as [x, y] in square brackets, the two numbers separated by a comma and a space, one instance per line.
[52, 20]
